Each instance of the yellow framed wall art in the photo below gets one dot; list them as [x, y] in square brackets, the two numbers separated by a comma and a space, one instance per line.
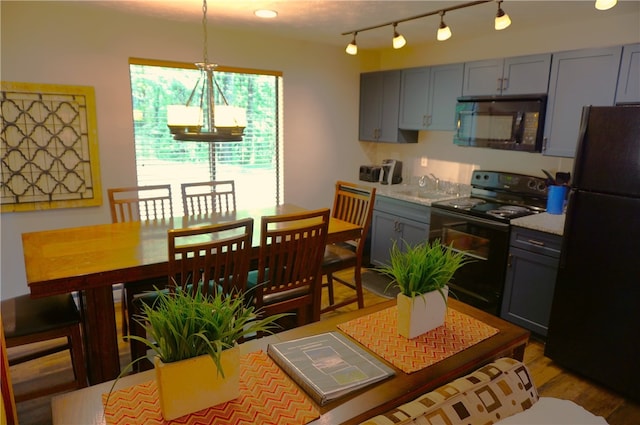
[48, 147]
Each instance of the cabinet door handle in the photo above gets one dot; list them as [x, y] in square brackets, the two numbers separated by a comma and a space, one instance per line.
[505, 84]
[499, 85]
[535, 242]
[429, 120]
[509, 260]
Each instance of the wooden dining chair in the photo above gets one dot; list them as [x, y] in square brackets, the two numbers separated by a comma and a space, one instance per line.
[208, 197]
[352, 203]
[138, 203]
[46, 326]
[288, 275]
[212, 258]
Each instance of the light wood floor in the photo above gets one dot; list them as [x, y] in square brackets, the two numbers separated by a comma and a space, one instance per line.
[551, 380]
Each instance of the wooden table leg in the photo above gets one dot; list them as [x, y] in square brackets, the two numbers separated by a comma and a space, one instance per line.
[100, 335]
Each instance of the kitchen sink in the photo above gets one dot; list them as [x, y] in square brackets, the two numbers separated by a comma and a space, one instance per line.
[421, 194]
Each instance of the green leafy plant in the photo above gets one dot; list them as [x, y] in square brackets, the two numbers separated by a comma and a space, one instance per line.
[422, 268]
[182, 325]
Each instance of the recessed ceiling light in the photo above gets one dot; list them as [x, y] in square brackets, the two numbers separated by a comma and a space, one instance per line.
[265, 13]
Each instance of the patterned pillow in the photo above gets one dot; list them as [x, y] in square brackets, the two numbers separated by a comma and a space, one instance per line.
[491, 393]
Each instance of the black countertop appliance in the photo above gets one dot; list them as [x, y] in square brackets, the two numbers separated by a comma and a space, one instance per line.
[595, 317]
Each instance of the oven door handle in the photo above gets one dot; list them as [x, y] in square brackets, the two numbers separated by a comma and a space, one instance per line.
[470, 219]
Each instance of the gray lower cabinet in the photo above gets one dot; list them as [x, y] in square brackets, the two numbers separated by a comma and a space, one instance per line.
[530, 279]
[396, 220]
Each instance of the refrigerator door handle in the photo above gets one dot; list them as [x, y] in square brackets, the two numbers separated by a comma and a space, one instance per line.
[567, 223]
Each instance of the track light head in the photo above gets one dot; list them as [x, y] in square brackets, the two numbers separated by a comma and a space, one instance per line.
[398, 40]
[352, 48]
[444, 32]
[502, 19]
[605, 4]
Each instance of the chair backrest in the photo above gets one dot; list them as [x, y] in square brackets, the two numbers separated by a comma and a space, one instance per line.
[354, 203]
[140, 203]
[291, 252]
[216, 256]
[208, 197]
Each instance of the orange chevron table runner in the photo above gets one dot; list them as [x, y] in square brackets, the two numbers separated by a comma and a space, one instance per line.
[267, 396]
[378, 332]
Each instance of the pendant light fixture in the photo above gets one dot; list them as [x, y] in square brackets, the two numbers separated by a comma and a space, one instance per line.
[352, 48]
[398, 39]
[222, 123]
[502, 19]
[605, 4]
[444, 32]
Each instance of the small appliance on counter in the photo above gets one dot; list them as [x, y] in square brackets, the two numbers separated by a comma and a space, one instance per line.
[391, 171]
[370, 173]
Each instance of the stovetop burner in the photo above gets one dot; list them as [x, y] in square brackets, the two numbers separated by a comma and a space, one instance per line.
[510, 211]
[463, 203]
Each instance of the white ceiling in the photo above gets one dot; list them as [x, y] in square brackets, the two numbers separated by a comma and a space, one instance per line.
[325, 21]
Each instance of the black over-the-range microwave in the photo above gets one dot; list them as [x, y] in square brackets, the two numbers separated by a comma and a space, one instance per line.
[501, 122]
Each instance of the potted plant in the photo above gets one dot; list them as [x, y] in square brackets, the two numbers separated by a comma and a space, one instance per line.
[422, 273]
[195, 338]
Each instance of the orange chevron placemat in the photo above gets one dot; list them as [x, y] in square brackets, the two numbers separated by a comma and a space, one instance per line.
[377, 332]
[267, 396]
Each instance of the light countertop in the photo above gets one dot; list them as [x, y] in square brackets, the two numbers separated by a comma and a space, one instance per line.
[411, 193]
[544, 222]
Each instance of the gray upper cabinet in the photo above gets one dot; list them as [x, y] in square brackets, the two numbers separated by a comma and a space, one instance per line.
[578, 78]
[379, 108]
[629, 77]
[414, 94]
[510, 76]
[428, 97]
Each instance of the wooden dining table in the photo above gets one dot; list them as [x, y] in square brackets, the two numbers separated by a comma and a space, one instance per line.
[90, 259]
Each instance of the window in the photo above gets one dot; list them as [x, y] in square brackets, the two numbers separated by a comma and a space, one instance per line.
[255, 163]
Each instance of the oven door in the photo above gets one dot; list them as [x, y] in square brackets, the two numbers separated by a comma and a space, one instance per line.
[479, 283]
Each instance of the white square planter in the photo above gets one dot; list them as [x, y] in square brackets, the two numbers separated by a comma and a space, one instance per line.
[421, 314]
[194, 384]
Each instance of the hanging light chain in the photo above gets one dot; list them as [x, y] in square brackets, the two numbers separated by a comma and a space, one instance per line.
[204, 31]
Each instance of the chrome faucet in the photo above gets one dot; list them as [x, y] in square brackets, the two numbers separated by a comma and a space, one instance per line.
[437, 180]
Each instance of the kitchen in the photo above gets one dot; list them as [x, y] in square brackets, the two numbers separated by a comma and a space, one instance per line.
[328, 143]
[71, 43]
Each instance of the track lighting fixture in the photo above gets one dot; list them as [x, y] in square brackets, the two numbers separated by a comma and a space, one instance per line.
[502, 19]
[444, 32]
[352, 48]
[398, 39]
[605, 4]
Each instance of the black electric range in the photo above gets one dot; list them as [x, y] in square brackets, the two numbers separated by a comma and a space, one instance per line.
[479, 226]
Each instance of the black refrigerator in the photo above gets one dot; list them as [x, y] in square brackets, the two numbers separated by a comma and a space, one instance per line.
[594, 327]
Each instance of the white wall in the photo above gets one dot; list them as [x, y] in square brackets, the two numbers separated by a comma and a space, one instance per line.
[455, 163]
[71, 43]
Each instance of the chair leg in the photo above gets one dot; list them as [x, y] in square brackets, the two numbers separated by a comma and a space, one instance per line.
[357, 277]
[330, 288]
